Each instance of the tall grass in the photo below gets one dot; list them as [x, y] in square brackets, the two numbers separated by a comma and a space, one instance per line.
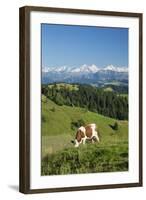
[86, 159]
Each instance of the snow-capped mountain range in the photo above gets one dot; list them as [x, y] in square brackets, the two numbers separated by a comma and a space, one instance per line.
[83, 74]
[84, 69]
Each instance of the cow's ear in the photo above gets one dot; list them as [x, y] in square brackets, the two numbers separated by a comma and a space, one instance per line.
[78, 136]
[82, 134]
[77, 133]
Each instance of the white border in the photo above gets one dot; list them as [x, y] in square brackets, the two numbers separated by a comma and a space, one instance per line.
[132, 176]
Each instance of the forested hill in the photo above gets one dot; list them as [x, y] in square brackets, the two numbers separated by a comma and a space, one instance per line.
[94, 99]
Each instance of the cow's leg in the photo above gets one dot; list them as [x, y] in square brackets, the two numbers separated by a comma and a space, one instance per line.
[93, 140]
[96, 136]
[76, 143]
[84, 140]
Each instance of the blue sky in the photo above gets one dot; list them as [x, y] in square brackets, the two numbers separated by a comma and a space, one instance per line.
[78, 45]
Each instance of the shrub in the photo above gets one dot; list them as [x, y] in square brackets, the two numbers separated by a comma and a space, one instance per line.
[77, 124]
[116, 126]
[53, 109]
[43, 118]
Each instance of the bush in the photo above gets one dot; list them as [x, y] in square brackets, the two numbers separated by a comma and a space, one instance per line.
[116, 126]
[77, 124]
[43, 118]
[53, 109]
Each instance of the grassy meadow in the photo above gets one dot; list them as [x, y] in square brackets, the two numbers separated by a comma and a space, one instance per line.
[58, 153]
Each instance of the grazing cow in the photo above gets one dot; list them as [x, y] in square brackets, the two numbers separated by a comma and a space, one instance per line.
[86, 133]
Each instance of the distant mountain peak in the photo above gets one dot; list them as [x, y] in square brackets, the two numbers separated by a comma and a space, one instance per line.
[84, 69]
[117, 69]
[110, 67]
[84, 73]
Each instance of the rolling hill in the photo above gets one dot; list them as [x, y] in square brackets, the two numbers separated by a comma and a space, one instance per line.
[59, 156]
[57, 120]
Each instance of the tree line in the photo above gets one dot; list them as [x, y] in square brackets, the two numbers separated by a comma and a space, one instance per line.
[91, 98]
[122, 89]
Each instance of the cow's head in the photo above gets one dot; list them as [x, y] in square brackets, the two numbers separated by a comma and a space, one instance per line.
[79, 136]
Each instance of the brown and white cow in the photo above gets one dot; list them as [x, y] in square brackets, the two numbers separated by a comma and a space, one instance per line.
[88, 132]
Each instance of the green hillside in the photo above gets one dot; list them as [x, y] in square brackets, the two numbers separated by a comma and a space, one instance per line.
[59, 156]
[105, 101]
[59, 118]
